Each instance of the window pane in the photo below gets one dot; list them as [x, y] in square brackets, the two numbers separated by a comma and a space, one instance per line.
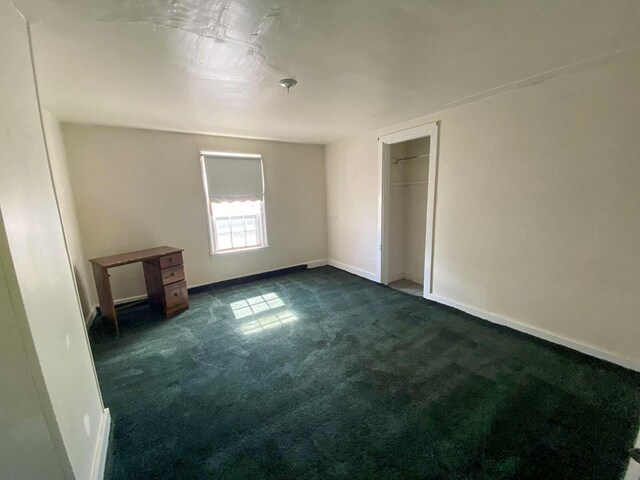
[250, 222]
[222, 225]
[224, 241]
[238, 239]
[252, 239]
[237, 224]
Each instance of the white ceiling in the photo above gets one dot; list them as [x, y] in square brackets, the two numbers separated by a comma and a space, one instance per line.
[213, 66]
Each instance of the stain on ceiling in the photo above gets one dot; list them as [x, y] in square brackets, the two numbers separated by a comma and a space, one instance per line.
[213, 66]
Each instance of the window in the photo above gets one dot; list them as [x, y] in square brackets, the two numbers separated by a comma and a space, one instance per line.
[234, 190]
[237, 225]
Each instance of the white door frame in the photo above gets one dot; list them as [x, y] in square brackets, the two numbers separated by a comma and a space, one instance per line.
[384, 187]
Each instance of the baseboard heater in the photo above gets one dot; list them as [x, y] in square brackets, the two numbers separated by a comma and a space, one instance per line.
[224, 283]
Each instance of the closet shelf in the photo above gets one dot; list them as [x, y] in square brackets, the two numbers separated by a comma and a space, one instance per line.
[417, 182]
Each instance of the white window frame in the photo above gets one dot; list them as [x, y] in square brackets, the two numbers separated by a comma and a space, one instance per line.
[261, 226]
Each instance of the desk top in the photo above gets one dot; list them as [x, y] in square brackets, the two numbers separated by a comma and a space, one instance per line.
[132, 257]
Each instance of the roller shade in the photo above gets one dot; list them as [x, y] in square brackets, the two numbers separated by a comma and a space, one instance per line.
[234, 178]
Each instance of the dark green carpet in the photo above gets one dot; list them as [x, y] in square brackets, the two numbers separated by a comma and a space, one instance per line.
[338, 377]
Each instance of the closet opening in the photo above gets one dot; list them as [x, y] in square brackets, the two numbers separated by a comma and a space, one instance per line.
[407, 172]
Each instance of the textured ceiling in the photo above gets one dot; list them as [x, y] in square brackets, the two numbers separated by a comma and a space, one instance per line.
[213, 66]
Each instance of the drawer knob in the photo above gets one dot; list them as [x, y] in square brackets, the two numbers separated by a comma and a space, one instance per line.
[176, 294]
[173, 274]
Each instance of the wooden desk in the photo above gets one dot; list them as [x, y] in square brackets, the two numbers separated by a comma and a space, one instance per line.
[163, 275]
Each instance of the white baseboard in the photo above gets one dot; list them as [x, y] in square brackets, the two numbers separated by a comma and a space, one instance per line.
[91, 316]
[540, 333]
[100, 456]
[544, 334]
[415, 279]
[395, 277]
[356, 271]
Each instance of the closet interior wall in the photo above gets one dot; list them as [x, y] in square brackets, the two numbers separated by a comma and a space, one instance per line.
[408, 209]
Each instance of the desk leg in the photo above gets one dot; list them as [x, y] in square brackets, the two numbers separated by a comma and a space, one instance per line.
[107, 308]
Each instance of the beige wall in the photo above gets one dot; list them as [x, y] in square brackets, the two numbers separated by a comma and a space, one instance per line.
[27, 449]
[352, 202]
[407, 210]
[62, 184]
[397, 212]
[41, 306]
[537, 206]
[416, 212]
[141, 188]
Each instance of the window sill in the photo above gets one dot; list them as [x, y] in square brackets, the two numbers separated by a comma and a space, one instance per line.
[240, 250]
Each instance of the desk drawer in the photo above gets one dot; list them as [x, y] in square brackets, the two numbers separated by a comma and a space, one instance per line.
[176, 294]
[172, 260]
[172, 274]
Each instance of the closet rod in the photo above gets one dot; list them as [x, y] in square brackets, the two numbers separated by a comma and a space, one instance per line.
[396, 160]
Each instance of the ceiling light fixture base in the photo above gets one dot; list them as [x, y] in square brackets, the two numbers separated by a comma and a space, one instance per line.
[288, 83]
